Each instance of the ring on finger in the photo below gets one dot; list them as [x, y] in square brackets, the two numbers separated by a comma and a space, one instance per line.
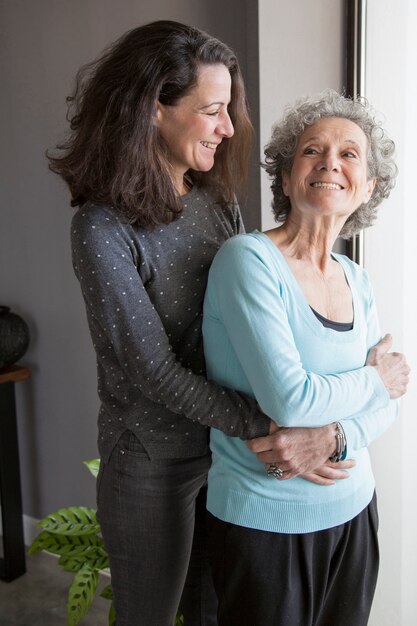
[274, 471]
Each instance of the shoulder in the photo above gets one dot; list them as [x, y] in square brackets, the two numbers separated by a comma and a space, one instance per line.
[244, 242]
[245, 248]
[101, 221]
[99, 229]
[245, 259]
[204, 197]
[91, 216]
[355, 273]
[91, 223]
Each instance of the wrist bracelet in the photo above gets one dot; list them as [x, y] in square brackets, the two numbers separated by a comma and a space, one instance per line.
[341, 445]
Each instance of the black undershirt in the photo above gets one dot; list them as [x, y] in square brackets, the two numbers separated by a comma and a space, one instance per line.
[339, 326]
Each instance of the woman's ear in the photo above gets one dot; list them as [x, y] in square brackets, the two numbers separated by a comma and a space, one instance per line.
[159, 114]
[370, 188]
[285, 184]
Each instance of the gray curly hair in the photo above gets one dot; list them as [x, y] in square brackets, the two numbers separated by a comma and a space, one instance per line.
[280, 152]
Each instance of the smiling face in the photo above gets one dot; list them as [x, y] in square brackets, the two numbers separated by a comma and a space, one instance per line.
[194, 127]
[329, 174]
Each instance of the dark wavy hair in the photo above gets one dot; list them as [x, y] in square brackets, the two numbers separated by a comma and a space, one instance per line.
[280, 152]
[114, 154]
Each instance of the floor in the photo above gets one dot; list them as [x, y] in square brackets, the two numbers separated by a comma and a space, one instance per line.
[38, 598]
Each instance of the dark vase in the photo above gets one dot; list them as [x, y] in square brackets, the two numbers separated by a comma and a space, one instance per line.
[14, 337]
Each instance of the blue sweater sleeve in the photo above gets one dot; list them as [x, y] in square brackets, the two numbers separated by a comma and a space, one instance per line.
[243, 292]
[361, 429]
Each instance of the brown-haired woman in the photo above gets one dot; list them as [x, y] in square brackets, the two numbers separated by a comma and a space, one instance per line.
[159, 143]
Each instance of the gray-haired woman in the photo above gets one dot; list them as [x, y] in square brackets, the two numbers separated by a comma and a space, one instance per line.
[285, 320]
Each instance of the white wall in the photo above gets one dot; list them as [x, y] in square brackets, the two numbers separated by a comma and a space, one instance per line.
[300, 53]
[391, 74]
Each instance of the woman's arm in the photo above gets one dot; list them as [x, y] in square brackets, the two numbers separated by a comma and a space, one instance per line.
[306, 451]
[360, 432]
[361, 429]
[302, 450]
[120, 311]
[243, 295]
[244, 306]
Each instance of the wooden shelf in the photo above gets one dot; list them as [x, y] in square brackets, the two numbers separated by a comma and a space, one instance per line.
[13, 374]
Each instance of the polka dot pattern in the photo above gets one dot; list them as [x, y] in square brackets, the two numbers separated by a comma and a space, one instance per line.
[144, 292]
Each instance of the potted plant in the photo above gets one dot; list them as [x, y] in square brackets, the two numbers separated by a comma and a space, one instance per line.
[73, 534]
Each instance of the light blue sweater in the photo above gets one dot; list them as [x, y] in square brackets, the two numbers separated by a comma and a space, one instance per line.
[262, 338]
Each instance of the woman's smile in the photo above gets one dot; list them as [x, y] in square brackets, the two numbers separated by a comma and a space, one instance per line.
[324, 185]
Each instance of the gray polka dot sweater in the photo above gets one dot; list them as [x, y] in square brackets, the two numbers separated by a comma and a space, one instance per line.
[144, 291]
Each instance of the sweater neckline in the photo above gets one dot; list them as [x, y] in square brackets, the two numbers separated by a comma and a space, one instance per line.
[297, 292]
[192, 192]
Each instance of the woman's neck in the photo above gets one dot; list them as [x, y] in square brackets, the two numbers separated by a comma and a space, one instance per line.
[308, 252]
[311, 243]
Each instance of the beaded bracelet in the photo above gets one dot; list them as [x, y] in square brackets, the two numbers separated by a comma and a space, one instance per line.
[341, 445]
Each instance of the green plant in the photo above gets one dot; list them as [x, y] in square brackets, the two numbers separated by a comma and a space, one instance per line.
[73, 534]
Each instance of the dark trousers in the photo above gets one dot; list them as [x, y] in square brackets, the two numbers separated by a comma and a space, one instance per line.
[153, 520]
[323, 578]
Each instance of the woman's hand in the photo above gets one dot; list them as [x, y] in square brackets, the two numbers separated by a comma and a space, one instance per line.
[295, 450]
[391, 366]
[328, 473]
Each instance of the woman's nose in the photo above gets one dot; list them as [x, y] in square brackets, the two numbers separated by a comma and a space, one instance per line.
[329, 162]
[225, 126]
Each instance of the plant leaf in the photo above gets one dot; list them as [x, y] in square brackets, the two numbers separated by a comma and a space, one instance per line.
[93, 466]
[75, 520]
[179, 619]
[107, 593]
[71, 563]
[70, 545]
[81, 594]
[44, 541]
[96, 559]
[112, 615]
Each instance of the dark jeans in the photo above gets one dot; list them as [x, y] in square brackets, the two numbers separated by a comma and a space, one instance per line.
[323, 578]
[153, 520]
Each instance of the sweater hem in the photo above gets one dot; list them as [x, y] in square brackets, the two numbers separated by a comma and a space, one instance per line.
[251, 511]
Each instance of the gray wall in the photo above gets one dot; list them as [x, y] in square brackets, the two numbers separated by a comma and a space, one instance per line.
[42, 45]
